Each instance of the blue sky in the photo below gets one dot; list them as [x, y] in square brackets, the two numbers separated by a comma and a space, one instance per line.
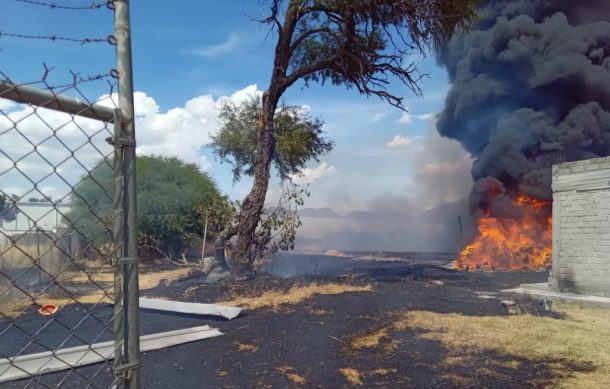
[189, 53]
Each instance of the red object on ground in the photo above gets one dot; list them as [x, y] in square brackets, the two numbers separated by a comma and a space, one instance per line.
[48, 309]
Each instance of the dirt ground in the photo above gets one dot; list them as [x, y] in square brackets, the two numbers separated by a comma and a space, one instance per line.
[391, 324]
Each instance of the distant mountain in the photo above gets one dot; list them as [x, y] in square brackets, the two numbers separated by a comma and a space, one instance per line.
[441, 213]
[325, 213]
[386, 229]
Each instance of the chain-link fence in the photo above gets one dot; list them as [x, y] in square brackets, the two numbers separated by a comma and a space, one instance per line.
[68, 254]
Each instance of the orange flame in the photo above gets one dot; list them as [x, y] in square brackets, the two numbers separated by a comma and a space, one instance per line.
[511, 244]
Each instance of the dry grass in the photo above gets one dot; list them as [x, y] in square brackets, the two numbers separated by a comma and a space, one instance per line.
[151, 279]
[98, 274]
[369, 340]
[246, 347]
[19, 255]
[22, 256]
[573, 347]
[319, 312]
[291, 374]
[383, 371]
[377, 339]
[91, 298]
[353, 376]
[147, 280]
[276, 298]
[17, 301]
[17, 304]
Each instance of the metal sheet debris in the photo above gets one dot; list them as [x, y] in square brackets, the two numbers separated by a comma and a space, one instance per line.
[190, 308]
[51, 361]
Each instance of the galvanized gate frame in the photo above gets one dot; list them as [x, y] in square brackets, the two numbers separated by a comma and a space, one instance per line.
[126, 305]
[126, 367]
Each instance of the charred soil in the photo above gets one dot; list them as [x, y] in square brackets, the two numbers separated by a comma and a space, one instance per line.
[391, 324]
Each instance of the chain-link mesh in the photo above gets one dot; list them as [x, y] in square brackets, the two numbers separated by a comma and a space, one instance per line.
[57, 230]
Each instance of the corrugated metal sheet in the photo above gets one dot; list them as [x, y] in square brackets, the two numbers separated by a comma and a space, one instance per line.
[190, 308]
[46, 362]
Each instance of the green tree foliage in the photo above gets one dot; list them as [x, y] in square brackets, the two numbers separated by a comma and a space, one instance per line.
[220, 212]
[278, 227]
[360, 44]
[170, 193]
[8, 212]
[276, 230]
[298, 138]
[363, 44]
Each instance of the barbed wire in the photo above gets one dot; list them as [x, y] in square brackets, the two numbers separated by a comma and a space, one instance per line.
[109, 39]
[54, 5]
[76, 76]
[54, 127]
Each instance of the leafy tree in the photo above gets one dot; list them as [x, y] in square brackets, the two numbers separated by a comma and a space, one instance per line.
[169, 191]
[276, 230]
[278, 227]
[361, 44]
[8, 212]
[222, 216]
[218, 217]
[298, 138]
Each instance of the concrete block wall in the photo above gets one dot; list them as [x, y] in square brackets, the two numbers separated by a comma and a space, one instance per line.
[581, 227]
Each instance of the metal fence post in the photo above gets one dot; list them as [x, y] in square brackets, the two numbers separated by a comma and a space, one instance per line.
[119, 233]
[70, 253]
[125, 142]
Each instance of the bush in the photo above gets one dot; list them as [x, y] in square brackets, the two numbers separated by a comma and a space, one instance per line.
[169, 193]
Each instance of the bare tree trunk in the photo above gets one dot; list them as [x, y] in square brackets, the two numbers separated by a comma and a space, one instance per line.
[254, 202]
[219, 247]
[205, 235]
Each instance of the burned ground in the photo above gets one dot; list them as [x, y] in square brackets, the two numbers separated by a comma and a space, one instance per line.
[394, 331]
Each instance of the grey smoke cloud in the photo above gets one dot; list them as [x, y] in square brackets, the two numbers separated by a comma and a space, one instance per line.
[442, 171]
[530, 85]
[422, 218]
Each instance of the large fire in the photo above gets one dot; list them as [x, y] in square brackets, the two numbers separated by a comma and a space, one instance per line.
[506, 243]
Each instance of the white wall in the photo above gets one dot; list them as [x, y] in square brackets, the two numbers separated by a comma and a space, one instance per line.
[46, 216]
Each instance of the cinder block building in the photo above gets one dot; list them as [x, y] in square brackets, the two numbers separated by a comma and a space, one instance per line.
[581, 227]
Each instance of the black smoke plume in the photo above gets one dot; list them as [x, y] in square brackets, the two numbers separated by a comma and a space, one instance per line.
[530, 87]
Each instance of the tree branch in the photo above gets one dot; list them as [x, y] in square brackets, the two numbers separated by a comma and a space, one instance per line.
[306, 35]
[166, 257]
[273, 19]
[304, 71]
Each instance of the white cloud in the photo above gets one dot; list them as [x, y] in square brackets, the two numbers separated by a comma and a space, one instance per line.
[179, 132]
[182, 131]
[213, 50]
[401, 141]
[6, 105]
[426, 116]
[379, 116]
[308, 176]
[41, 145]
[243, 95]
[406, 118]
[304, 109]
